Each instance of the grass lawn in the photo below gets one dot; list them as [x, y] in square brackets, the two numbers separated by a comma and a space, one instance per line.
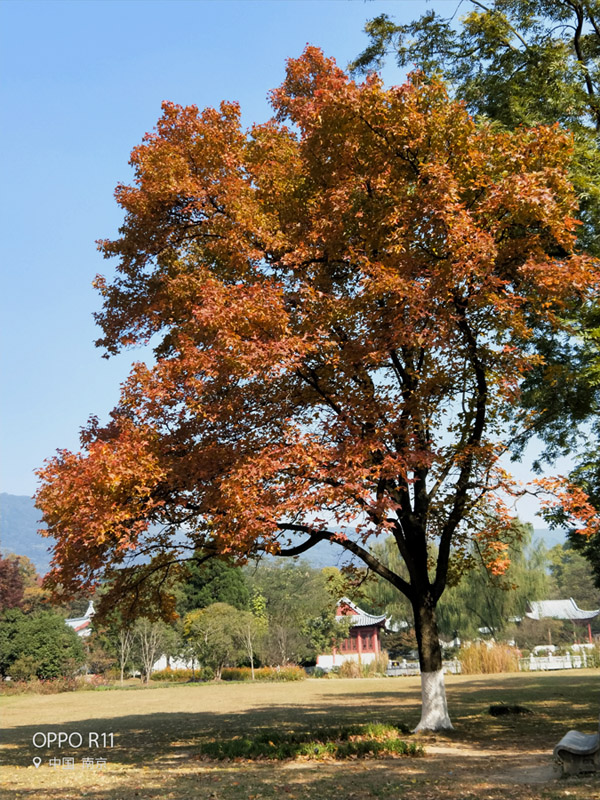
[158, 733]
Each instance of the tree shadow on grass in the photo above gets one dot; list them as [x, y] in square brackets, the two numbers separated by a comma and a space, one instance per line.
[436, 778]
[144, 738]
[558, 703]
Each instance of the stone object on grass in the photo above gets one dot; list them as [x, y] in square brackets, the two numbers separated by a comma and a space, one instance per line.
[579, 752]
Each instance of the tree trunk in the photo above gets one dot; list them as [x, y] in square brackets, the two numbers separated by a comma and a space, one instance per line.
[434, 711]
[252, 663]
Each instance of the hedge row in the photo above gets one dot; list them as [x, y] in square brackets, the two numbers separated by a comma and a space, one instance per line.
[183, 675]
[291, 673]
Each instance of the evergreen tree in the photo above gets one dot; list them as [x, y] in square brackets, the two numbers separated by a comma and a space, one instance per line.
[213, 581]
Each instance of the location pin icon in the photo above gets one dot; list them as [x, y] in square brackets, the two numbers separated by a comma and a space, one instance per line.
[37, 761]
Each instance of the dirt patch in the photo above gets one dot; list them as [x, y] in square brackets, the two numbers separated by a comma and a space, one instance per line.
[533, 767]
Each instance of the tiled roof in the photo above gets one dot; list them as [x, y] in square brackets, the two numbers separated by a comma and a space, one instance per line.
[364, 619]
[560, 609]
[82, 623]
[359, 617]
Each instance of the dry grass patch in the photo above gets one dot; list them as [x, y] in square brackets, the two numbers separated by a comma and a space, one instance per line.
[159, 736]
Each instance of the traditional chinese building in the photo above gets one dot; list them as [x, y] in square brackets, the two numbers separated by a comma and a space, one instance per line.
[563, 609]
[363, 643]
[82, 625]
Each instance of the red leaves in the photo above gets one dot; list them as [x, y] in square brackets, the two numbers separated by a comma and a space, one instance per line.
[573, 503]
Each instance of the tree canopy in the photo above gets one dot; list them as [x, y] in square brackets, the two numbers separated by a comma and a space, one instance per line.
[526, 62]
[49, 646]
[342, 302]
[520, 62]
[212, 582]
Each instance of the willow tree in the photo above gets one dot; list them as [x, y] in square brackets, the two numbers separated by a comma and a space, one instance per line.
[342, 301]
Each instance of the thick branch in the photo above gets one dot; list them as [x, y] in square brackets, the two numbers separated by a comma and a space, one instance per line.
[464, 477]
[580, 58]
[319, 536]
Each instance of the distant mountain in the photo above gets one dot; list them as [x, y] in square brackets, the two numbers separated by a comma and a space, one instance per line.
[325, 554]
[548, 537]
[19, 523]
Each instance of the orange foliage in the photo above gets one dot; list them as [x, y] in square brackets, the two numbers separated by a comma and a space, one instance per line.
[344, 298]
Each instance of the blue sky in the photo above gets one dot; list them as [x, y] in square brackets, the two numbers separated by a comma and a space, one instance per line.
[82, 81]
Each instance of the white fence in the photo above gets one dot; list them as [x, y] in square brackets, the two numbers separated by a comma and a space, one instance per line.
[404, 667]
[531, 664]
[535, 663]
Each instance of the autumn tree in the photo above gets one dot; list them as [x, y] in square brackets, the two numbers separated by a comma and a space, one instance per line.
[517, 62]
[342, 302]
[12, 586]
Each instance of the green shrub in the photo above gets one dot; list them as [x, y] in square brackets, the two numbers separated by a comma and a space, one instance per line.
[183, 675]
[43, 637]
[24, 668]
[289, 673]
[355, 741]
[237, 673]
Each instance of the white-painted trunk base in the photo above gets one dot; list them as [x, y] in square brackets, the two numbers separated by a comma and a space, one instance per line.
[434, 713]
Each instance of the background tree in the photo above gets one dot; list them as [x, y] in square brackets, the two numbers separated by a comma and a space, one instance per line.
[216, 635]
[124, 647]
[150, 640]
[378, 596]
[482, 600]
[52, 647]
[572, 576]
[343, 301]
[100, 655]
[252, 631]
[35, 596]
[530, 633]
[210, 582]
[11, 584]
[18, 570]
[300, 611]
